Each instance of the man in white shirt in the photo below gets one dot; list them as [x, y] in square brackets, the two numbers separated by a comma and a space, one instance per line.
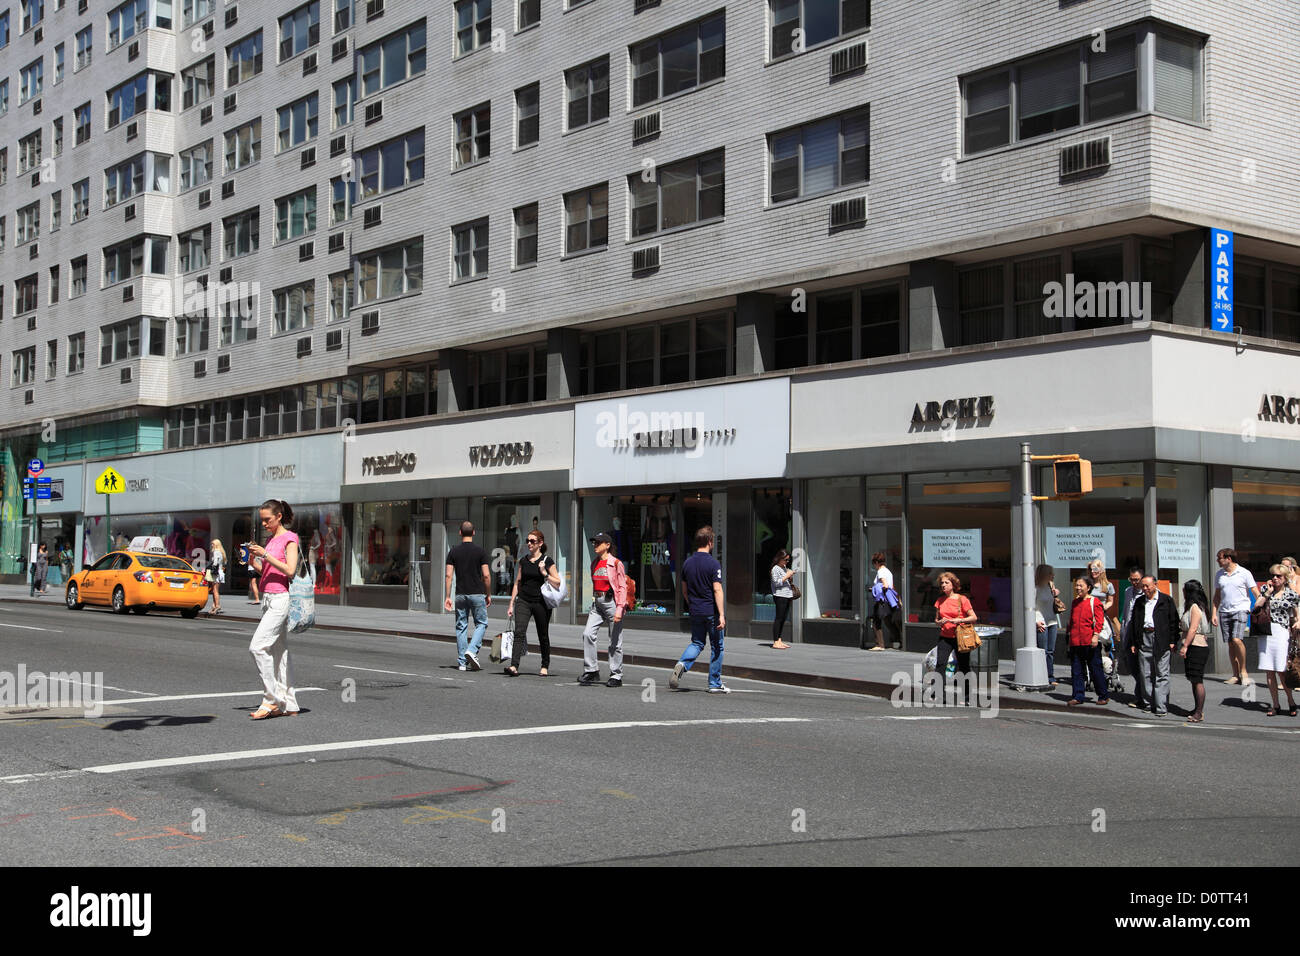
[1234, 586]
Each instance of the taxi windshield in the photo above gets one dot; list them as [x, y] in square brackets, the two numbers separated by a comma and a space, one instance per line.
[163, 562]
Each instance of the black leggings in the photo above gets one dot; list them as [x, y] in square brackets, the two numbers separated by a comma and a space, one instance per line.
[541, 614]
[782, 612]
[947, 647]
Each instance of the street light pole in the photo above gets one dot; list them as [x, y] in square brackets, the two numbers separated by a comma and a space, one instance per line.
[1031, 665]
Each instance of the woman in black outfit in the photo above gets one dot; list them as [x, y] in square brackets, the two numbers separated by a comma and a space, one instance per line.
[530, 573]
[1195, 649]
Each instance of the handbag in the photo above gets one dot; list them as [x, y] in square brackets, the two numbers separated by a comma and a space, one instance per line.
[1058, 605]
[795, 593]
[209, 576]
[967, 639]
[1261, 623]
[302, 599]
[554, 596]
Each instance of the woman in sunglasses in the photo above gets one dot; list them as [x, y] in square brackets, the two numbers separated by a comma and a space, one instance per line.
[1282, 603]
[535, 569]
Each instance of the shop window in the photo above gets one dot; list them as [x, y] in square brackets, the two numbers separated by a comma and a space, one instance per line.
[329, 404]
[319, 528]
[1181, 503]
[393, 385]
[506, 524]
[203, 432]
[833, 550]
[773, 532]
[381, 541]
[1266, 517]
[271, 414]
[220, 413]
[310, 396]
[290, 399]
[966, 517]
[236, 419]
[370, 388]
[349, 401]
[253, 417]
[645, 539]
[834, 328]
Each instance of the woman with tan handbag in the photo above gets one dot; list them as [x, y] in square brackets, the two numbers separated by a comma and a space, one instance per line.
[952, 608]
[1087, 622]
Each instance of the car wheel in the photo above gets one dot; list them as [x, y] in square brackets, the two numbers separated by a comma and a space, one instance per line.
[119, 600]
[139, 610]
[72, 598]
[190, 613]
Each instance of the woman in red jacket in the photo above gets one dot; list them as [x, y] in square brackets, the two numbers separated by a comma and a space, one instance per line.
[1087, 621]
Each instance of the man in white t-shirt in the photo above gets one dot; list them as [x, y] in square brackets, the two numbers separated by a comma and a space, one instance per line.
[888, 608]
[1234, 587]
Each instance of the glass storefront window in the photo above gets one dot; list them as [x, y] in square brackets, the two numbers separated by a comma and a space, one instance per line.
[506, 524]
[773, 532]
[1181, 502]
[645, 539]
[1266, 516]
[381, 544]
[962, 501]
[832, 531]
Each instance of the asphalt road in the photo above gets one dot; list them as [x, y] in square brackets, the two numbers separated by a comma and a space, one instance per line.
[428, 765]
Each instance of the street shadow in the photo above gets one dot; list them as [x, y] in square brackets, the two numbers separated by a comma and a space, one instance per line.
[140, 723]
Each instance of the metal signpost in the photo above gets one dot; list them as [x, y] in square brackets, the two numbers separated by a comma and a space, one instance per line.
[108, 484]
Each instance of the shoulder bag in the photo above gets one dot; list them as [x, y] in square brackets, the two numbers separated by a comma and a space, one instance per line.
[967, 639]
[302, 599]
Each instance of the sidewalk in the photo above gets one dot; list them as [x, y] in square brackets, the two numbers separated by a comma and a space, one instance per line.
[808, 665]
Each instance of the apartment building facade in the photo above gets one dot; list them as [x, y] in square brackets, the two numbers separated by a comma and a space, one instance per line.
[807, 270]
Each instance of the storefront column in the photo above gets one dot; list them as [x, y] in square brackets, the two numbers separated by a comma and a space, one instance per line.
[799, 548]
[1018, 517]
[1150, 518]
[1190, 272]
[1223, 531]
[453, 380]
[439, 546]
[755, 334]
[563, 364]
[932, 305]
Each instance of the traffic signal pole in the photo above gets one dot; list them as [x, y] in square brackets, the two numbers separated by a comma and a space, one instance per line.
[1031, 664]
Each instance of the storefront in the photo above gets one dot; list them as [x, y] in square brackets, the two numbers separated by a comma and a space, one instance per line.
[653, 469]
[58, 526]
[925, 470]
[191, 498]
[407, 490]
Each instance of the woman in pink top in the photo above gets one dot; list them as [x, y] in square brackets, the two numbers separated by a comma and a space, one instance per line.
[277, 562]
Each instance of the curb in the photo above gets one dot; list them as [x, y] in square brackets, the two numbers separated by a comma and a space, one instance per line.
[850, 685]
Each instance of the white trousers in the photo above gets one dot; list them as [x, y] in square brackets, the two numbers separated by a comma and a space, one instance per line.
[270, 650]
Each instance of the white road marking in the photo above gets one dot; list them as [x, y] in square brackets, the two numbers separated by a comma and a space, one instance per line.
[398, 742]
[124, 690]
[27, 627]
[237, 693]
[376, 670]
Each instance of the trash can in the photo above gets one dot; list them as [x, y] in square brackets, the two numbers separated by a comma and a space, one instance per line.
[984, 659]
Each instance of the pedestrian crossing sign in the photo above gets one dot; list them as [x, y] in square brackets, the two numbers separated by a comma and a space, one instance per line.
[109, 483]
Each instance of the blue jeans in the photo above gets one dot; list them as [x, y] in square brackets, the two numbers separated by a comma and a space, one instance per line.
[702, 624]
[1089, 657]
[465, 605]
[1047, 641]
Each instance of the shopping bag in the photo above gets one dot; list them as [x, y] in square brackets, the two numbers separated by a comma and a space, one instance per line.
[302, 601]
[554, 596]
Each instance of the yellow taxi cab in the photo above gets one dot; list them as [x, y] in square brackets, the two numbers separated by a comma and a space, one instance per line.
[142, 578]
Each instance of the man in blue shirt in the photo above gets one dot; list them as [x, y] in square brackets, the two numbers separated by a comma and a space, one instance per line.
[702, 590]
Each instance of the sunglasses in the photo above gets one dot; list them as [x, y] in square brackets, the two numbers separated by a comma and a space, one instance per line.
[532, 541]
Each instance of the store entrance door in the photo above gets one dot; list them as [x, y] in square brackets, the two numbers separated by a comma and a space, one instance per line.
[421, 563]
[887, 536]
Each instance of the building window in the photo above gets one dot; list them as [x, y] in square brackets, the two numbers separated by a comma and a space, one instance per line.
[195, 249]
[51, 358]
[198, 82]
[981, 298]
[119, 342]
[299, 30]
[244, 59]
[196, 165]
[1177, 77]
[526, 235]
[58, 135]
[56, 212]
[473, 25]
[395, 58]
[683, 59]
[470, 250]
[24, 367]
[343, 15]
[31, 81]
[59, 62]
[345, 95]
[294, 307]
[4, 97]
[78, 278]
[473, 132]
[124, 181]
[530, 13]
[343, 195]
[392, 165]
[27, 294]
[244, 146]
[4, 29]
[238, 323]
[126, 100]
[29, 152]
[398, 270]
[29, 223]
[80, 200]
[81, 121]
[588, 92]
[821, 156]
[192, 334]
[85, 47]
[192, 11]
[295, 215]
[341, 290]
[526, 115]
[127, 260]
[586, 219]
[819, 21]
[76, 352]
[240, 234]
[33, 13]
[297, 123]
[681, 193]
[126, 21]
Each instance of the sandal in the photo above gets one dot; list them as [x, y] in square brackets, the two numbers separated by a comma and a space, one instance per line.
[512, 671]
[1291, 712]
[1271, 712]
[543, 673]
[1193, 719]
[262, 713]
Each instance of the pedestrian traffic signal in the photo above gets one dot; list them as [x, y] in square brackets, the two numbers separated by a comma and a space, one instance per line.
[1072, 477]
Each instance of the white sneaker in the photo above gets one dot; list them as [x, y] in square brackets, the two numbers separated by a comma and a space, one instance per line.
[678, 670]
[720, 689]
[462, 668]
[472, 661]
